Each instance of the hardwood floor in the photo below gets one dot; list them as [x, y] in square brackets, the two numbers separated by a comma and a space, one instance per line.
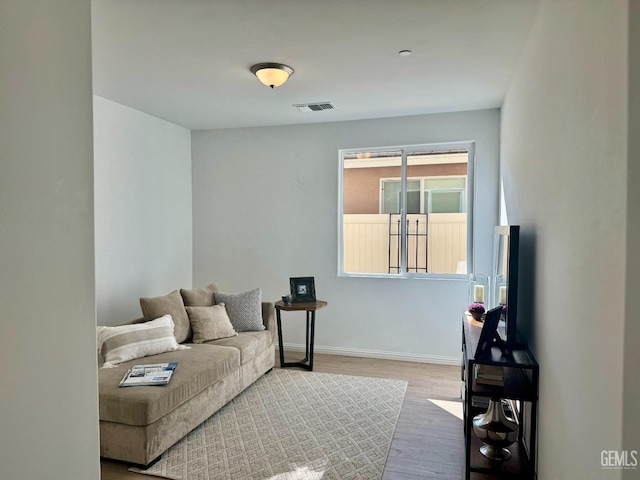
[428, 441]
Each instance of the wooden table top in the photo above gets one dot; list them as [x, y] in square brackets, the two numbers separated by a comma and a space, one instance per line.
[308, 306]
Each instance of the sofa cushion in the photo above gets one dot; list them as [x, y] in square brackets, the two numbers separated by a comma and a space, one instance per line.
[127, 342]
[199, 297]
[170, 304]
[210, 323]
[198, 368]
[250, 344]
[244, 309]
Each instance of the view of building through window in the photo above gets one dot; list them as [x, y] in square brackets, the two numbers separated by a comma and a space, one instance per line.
[428, 234]
[425, 195]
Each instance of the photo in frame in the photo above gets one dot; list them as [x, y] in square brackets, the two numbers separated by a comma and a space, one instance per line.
[489, 332]
[302, 289]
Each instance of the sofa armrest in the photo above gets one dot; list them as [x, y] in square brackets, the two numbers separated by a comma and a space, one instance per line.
[269, 317]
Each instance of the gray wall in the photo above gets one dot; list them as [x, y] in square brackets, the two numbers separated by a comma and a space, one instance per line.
[265, 203]
[48, 379]
[563, 162]
[142, 209]
[631, 399]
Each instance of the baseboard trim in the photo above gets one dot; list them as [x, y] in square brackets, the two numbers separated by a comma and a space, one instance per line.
[357, 352]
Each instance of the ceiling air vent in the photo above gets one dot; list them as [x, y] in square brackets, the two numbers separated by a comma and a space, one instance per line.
[314, 107]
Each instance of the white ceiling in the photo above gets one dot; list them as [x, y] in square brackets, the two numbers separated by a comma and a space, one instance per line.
[187, 61]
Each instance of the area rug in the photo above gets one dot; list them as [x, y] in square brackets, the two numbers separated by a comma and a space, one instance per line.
[293, 425]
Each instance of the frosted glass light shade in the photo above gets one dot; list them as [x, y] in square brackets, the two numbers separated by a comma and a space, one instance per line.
[272, 74]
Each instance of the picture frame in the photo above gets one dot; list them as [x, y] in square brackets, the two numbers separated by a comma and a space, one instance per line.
[489, 332]
[302, 289]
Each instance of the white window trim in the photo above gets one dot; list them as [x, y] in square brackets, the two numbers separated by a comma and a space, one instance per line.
[469, 146]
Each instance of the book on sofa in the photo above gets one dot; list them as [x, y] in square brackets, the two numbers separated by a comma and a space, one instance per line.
[149, 375]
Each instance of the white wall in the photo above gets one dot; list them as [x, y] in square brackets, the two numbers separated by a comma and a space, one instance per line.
[265, 209]
[142, 209]
[48, 369]
[563, 162]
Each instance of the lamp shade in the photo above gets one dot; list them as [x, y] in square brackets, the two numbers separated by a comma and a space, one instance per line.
[272, 74]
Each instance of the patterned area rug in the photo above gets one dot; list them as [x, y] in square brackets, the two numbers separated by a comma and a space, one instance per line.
[293, 425]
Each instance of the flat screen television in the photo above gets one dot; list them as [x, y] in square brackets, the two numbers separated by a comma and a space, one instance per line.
[505, 279]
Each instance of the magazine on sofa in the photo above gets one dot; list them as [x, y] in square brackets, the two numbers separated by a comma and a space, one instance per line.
[149, 375]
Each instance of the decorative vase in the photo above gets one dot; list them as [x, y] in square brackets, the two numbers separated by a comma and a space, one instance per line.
[496, 431]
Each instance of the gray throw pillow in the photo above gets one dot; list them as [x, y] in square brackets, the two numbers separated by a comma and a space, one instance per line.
[244, 309]
[169, 304]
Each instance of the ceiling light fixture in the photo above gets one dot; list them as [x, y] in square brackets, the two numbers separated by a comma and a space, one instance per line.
[272, 74]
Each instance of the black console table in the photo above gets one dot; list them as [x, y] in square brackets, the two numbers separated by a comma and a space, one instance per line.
[521, 375]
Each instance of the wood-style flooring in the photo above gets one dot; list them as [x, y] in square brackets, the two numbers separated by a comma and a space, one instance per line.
[428, 441]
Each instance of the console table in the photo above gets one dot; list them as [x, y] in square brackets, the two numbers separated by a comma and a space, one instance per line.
[521, 374]
[310, 308]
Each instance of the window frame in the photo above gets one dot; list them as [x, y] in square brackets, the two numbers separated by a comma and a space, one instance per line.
[469, 146]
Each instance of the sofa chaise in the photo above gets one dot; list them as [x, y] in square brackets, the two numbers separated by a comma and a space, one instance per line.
[137, 424]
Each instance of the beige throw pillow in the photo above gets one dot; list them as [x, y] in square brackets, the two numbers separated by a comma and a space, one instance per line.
[199, 297]
[127, 342]
[169, 304]
[210, 323]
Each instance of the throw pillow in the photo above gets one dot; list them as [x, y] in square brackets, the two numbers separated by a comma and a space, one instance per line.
[244, 309]
[199, 297]
[210, 323]
[127, 342]
[169, 304]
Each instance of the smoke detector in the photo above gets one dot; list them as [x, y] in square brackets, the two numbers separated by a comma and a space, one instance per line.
[314, 107]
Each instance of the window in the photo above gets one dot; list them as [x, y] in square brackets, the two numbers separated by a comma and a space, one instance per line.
[404, 210]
